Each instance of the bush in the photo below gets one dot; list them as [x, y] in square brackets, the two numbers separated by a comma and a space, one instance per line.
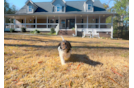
[36, 31]
[12, 30]
[52, 31]
[23, 29]
[115, 31]
[73, 28]
[31, 31]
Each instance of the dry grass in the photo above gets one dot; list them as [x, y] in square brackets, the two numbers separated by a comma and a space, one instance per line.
[33, 62]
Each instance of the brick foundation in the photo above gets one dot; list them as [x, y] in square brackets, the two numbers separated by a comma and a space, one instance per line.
[104, 34]
[64, 32]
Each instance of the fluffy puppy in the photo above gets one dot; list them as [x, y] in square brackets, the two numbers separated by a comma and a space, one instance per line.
[64, 49]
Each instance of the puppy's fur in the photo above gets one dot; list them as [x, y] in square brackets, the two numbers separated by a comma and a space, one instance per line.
[64, 49]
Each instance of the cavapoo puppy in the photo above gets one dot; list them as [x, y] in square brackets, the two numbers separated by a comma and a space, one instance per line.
[64, 48]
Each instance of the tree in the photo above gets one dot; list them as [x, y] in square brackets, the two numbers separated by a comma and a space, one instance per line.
[6, 7]
[9, 10]
[122, 8]
[14, 9]
[108, 19]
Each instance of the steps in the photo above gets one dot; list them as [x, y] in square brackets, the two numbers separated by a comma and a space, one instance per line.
[66, 32]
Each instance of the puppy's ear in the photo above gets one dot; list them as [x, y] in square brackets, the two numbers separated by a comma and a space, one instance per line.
[59, 44]
[68, 43]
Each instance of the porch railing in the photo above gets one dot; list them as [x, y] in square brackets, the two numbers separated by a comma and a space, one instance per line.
[31, 26]
[99, 27]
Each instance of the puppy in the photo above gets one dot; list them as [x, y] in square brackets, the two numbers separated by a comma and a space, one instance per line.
[64, 49]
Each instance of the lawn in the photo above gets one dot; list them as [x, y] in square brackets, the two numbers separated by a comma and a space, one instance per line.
[32, 61]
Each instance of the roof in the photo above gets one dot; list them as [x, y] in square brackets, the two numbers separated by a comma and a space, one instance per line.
[46, 6]
[67, 13]
[74, 6]
[71, 7]
[22, 10]
[98, 4]
[54, 0]
[92, 0]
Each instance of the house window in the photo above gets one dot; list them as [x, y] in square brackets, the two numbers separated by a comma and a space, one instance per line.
[30, 8]
[59, 8]
[56, 21]
[89, 7]
[63, 23]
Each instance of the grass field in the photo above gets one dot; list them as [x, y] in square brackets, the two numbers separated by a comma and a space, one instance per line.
[32, 61]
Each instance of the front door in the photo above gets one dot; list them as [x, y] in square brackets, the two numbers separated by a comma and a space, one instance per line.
[72, 23]
[63, 24]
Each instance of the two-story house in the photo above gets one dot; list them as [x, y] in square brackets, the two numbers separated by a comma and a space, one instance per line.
[62, 15]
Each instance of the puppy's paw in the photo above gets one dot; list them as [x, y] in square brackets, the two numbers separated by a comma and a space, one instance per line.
[63, 63]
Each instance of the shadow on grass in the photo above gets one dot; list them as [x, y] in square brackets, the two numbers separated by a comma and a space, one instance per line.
[83, 58]
[49, 40]
[90, 47]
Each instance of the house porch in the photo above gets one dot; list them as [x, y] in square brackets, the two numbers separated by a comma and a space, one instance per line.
[61, 22]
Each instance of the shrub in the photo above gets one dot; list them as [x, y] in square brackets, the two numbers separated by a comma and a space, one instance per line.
[73, 28]
[36, 31]
[52, 31]
[23, 29]
[12, 30]
[31, 31]
[114, 31]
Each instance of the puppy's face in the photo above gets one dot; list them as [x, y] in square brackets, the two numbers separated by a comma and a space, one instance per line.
[65, 45]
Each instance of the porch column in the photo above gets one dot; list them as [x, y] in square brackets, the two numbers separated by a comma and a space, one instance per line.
[47, 21]
[99, 21]
[59, 22]
[25, 22]
[87, 21]
[112, 28]
[14, 23]
[75, 19]
[75, 26]
[36, 22]
[10, 22]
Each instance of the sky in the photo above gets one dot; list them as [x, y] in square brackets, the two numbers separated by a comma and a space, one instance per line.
[20, 3]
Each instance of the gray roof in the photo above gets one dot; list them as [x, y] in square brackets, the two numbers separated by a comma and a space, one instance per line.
[76, 5]
[98, 4]
[22, 10]
[71, 7]
[68, 13]
[45, 5]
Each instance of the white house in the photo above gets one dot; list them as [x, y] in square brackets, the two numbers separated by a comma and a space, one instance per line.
[62, 15]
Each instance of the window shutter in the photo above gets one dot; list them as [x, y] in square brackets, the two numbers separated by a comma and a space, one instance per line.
[62, 8]
[53, 8]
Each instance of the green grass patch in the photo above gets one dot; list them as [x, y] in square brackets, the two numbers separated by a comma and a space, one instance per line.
[51, 34]
[125, 54]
